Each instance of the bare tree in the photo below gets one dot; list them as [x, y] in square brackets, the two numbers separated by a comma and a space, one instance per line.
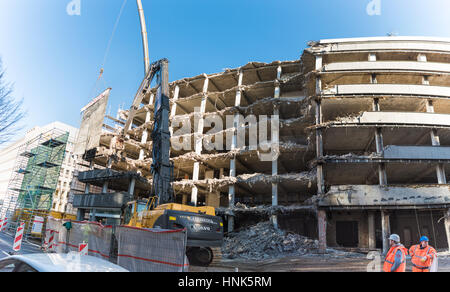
[10, 110]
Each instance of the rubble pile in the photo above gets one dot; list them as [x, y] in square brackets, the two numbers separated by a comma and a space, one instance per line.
[263, 241]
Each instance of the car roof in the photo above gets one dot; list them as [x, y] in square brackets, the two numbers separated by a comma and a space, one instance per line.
[71, 262]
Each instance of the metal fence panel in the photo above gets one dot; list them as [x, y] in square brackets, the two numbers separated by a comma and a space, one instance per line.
[151, 250]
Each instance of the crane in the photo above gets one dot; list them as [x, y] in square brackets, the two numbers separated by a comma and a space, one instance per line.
[204, 228]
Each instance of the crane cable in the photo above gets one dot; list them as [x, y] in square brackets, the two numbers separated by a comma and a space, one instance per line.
[434, 231]
[108, 47]
[417, 221]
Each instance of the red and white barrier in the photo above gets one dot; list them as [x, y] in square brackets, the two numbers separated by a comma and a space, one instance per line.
[5, 222]
[83, 249]
[51, 240]
[19, 236]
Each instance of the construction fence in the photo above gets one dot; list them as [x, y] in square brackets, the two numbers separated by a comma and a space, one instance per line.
[151, 250]
[135, 249]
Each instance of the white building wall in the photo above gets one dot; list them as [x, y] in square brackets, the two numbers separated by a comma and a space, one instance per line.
[8, 156]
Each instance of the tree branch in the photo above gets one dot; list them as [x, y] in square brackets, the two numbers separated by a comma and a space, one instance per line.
[11, 112]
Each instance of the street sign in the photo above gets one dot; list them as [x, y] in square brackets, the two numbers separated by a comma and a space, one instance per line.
[38, 223]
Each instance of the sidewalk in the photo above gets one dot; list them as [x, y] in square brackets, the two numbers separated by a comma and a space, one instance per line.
[6, 243]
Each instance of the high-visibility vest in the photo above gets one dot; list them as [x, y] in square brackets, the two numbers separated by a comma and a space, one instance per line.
[417, 254]
[390, 259]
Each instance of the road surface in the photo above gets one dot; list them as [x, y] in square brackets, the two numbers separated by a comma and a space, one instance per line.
[305, 264]
[6, 243]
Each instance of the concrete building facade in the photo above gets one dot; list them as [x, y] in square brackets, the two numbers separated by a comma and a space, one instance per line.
[362, 148]
[382, 139]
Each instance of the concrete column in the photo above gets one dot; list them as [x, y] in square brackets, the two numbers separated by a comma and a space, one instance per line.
[430, 106]
[87, 191]
[105, 187]
[379, 141]
[144, 137]
[422, 58]
[319, 120]
[385, 230]
[80, 214]
[173, 110]
[319, 150]
[131, 187]
[322, 227]
[435, 141]
[231, 189]
[371, 231]
[92, 217]
[382, 174]
[106, 183]
[440, 171]
[195, 177]
[275, 139]
[382, 177]
[320, 180]
[447, 227]
[199, 142]
[319, 63]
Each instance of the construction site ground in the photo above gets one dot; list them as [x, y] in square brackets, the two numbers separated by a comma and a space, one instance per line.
[310, 263]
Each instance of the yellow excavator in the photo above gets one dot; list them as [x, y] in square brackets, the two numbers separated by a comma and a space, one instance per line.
[204, 228]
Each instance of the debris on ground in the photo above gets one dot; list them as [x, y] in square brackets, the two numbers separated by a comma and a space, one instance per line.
[264, 241]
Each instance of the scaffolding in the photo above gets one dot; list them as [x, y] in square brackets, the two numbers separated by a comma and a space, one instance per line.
[34, 180]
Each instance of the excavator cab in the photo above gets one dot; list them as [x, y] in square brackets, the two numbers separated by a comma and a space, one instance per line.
[132, 210]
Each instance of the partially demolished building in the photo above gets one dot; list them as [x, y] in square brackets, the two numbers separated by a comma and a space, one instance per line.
[360, 152]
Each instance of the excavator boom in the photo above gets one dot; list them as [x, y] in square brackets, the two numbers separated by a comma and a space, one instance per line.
[204, 229]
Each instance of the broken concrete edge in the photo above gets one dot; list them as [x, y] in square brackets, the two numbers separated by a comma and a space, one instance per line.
[251, 66]
[387, 197]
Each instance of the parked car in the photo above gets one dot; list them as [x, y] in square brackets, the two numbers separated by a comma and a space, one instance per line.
[54, 262]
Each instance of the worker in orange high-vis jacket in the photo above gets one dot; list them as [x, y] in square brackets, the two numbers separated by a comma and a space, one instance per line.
[422, 255]
[396, 257]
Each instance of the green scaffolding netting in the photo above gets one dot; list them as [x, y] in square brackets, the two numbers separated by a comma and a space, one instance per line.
[41, 174]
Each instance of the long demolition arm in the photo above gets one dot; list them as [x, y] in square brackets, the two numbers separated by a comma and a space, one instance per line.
[161, 167]
[148, 75]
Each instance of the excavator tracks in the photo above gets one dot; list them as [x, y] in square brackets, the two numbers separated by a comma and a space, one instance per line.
[204, 256]
[217, 255]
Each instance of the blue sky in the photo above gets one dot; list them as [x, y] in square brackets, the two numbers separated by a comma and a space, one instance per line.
[53, 59]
